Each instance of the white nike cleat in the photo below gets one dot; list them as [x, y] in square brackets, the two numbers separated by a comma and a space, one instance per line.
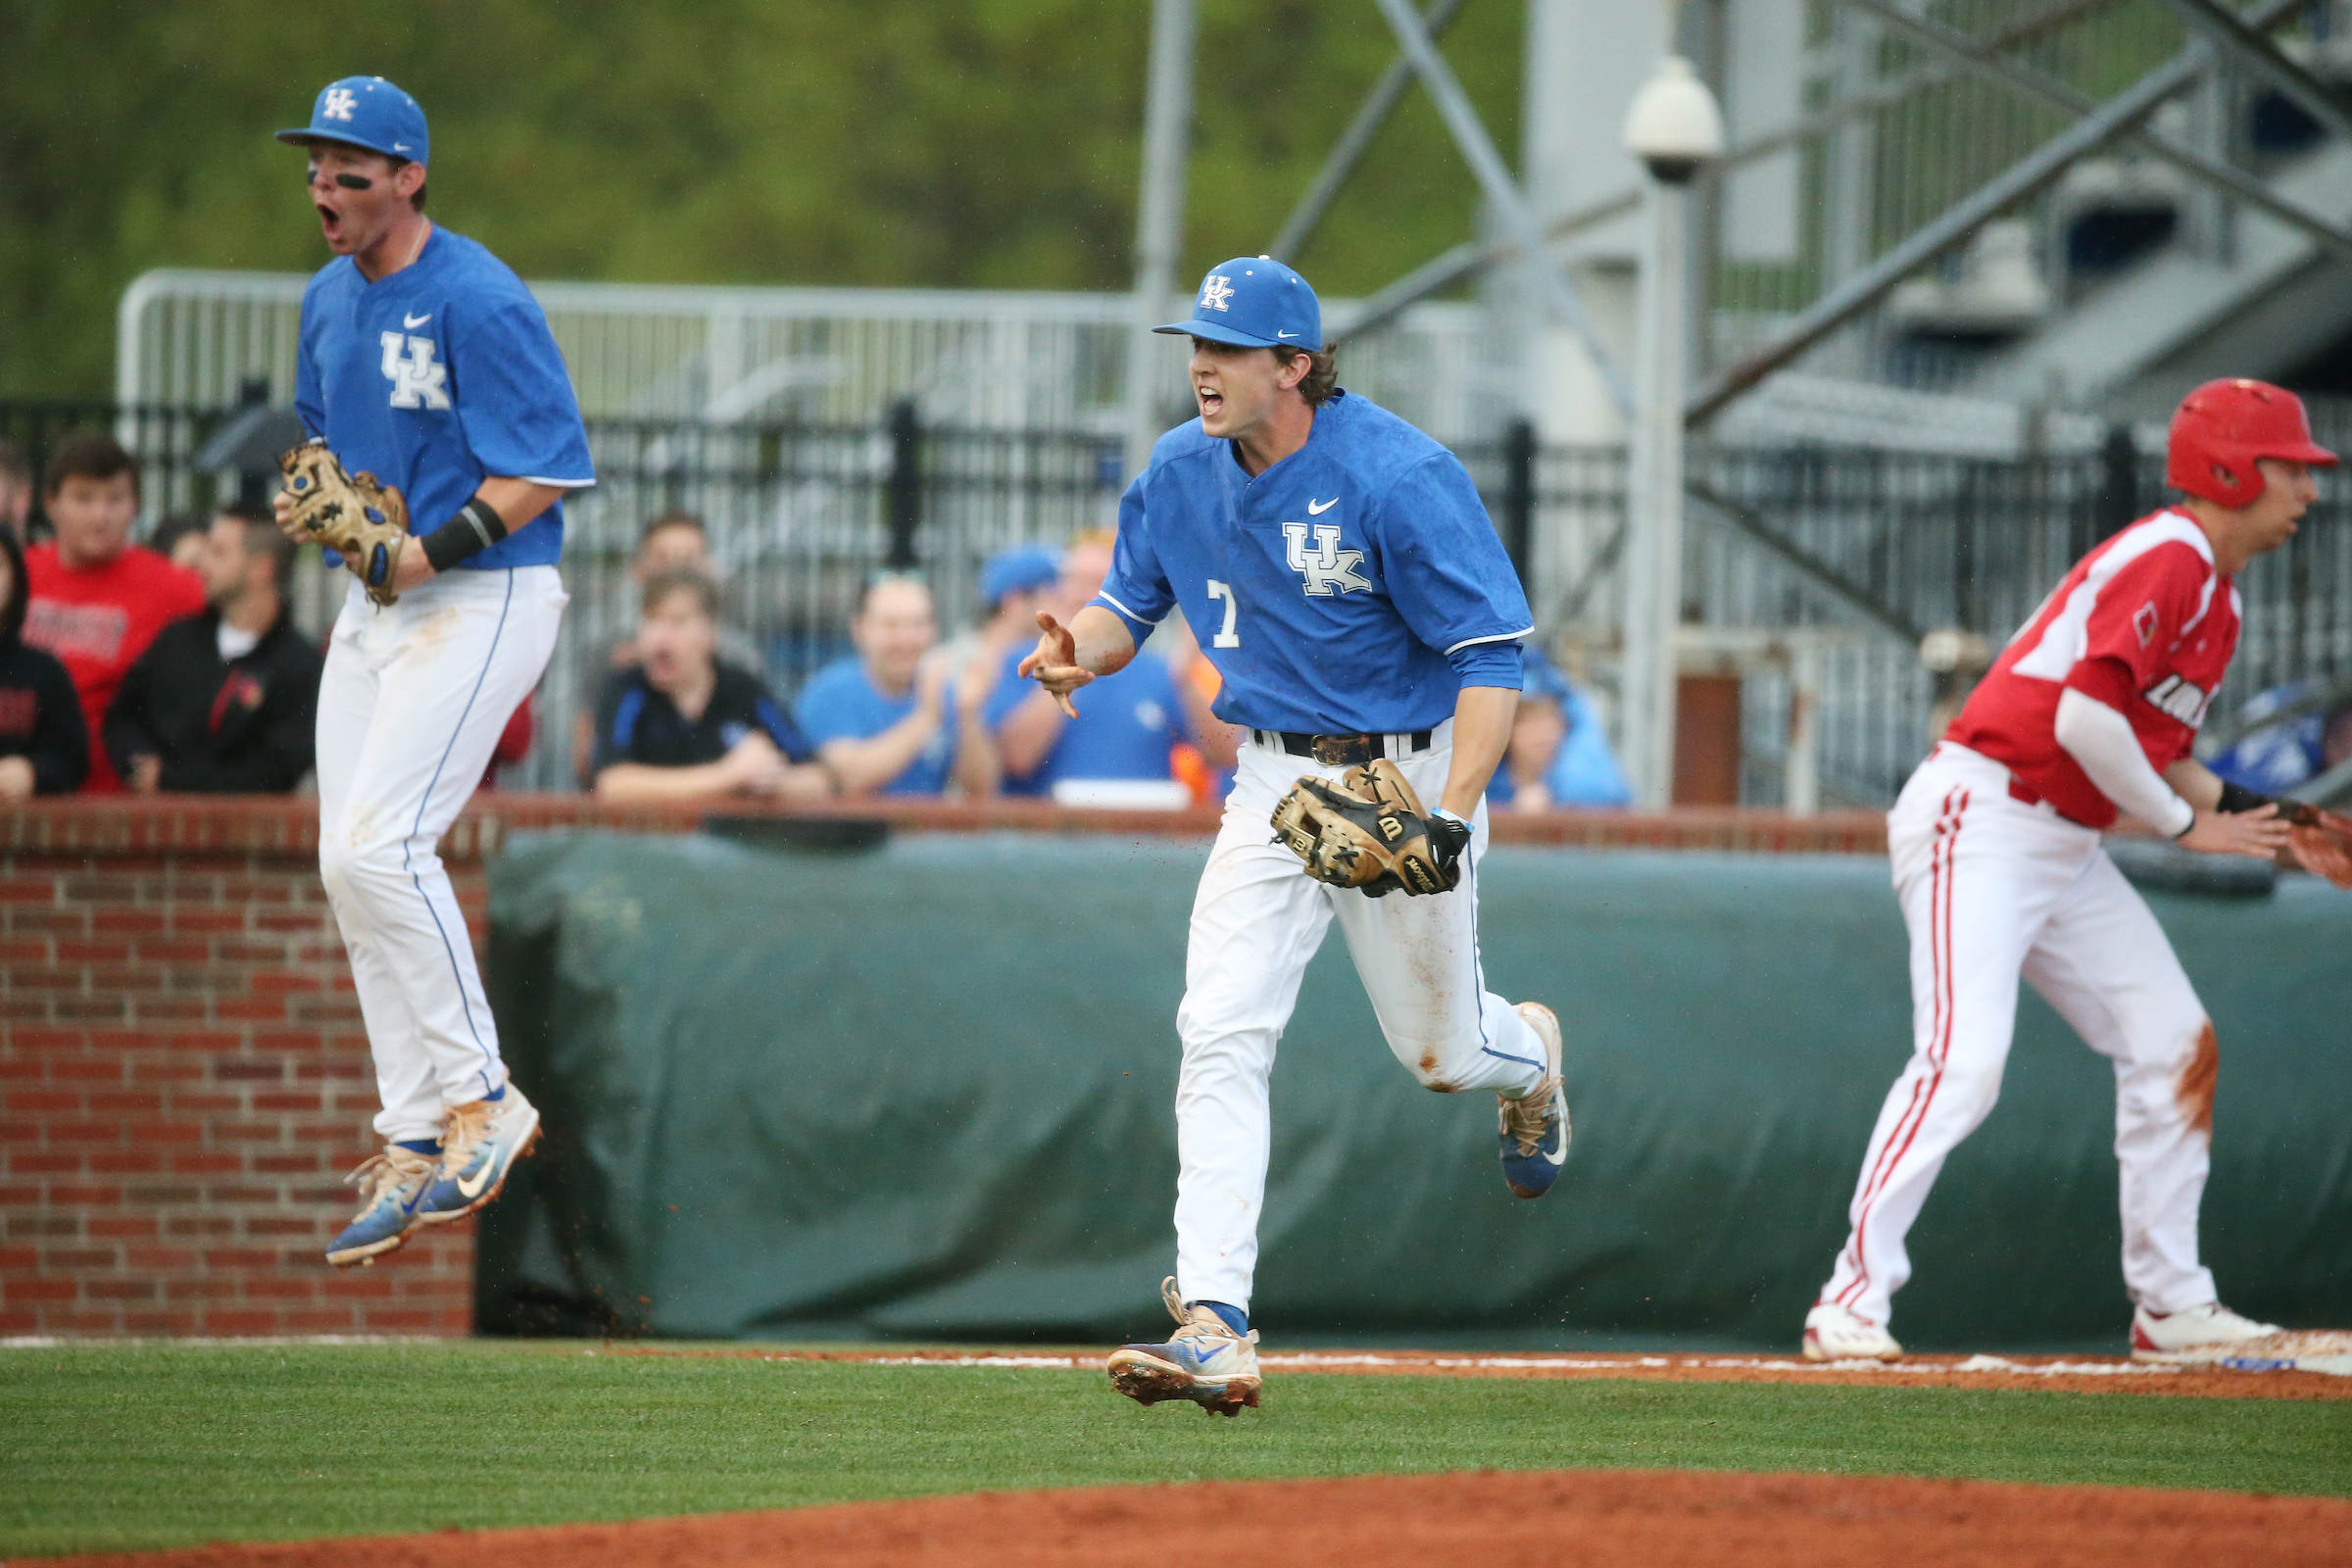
[1533, 1130]
[1203, 1361]
[1833, 1333]
[479, 1143]
[2198, 1334]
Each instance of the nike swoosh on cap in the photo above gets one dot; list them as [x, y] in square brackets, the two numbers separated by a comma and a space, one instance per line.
[1315, 511]
[1286, 334]
[416, 321]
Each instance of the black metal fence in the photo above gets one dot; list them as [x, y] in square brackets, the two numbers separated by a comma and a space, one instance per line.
[1863, 549]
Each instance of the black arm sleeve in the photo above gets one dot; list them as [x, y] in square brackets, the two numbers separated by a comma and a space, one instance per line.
[61, 741]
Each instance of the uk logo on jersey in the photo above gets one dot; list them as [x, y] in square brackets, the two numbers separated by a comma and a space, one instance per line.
[418, 380]
[1217, 293]
[2181, 700]
[340, 104]
[1329, 569]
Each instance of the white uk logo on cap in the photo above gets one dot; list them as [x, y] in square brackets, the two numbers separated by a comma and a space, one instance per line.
[340, 102]
[1217, 293]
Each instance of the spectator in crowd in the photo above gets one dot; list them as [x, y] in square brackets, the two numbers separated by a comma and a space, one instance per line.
[1128, 724]
[1557, 755]
[98, 600]
[2278, 756]
[181, 538]
[889, 720]
[44, 750]
[16, 491]
[225, 702]
[680, 725]
[674, 541]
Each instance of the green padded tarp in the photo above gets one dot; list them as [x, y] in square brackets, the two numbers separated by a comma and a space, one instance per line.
[924, 1092]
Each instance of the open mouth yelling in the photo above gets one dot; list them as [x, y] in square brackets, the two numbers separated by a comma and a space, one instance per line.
[331, 222]
[1212, 402]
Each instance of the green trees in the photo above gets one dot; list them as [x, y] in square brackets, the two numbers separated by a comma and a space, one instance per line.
[962, 143]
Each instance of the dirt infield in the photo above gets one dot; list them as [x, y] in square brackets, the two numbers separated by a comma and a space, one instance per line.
[1655, 1519]
[2060, 1374]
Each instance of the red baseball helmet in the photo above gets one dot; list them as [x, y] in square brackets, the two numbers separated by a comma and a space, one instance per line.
[2222, 426]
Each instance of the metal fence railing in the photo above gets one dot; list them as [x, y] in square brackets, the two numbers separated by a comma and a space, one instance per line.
[1860, 549]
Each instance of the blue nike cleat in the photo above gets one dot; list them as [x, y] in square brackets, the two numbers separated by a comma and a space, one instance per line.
[1534, 1129]
[390, 1184]
[479, 1145]
[1207, 1361]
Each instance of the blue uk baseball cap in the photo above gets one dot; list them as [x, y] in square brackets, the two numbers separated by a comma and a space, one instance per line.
[366, 112]
[1022, 568]
[1255, 303]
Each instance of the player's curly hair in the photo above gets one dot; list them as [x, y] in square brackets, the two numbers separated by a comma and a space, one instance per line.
[1322, 377]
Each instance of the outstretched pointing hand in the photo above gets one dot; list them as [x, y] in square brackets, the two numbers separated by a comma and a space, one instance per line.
[1054, 664]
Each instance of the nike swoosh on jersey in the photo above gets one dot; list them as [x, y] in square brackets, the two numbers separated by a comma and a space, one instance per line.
[411, 322]
[1315, 511]
[481, 1179]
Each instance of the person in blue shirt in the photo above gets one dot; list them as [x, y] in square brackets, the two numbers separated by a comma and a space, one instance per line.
[2281, 756]
[1133, 722]
[1341, 573]
[1558, 756]
[423, 359]
[887, 720]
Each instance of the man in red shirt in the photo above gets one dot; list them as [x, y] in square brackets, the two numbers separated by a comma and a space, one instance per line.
[97, 599]
[2089, 713]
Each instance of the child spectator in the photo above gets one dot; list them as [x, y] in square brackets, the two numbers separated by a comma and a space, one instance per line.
[99, 599]
[1557, 755]
[682, 726]
[43, 748]
[674, 541]
[888, 720]
[227, 700]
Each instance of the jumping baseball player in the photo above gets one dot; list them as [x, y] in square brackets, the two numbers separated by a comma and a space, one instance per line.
[1354, 596]
[424, 362]
[2089, 712]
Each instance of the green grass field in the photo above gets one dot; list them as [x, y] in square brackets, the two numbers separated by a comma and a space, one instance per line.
[111, 1446]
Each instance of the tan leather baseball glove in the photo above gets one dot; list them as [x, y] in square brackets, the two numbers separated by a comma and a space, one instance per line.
[354, 514]
[1368, 831]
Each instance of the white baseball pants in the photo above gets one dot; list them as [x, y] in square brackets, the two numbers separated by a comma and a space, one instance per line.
[1992, 887]
[1257, 918]
[411, 705]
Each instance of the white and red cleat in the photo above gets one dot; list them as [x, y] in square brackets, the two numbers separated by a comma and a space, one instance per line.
[2196, 1334]
[1835, 1334]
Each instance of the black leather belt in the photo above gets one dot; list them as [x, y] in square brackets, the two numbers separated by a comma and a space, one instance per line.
[1338, 751]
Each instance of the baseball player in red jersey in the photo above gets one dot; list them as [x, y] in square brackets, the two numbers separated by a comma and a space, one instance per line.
[2089, 713]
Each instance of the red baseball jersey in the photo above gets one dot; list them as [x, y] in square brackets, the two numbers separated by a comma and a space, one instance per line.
[98, 621]
[2143, 624]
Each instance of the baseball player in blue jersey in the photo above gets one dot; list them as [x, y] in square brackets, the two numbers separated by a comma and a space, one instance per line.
[1346, 583]
[423, 359]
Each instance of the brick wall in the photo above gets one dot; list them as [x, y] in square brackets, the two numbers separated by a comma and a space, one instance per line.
[185, 1079]
[183, 1083]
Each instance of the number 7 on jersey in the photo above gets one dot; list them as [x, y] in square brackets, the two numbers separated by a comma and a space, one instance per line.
[1226, 636]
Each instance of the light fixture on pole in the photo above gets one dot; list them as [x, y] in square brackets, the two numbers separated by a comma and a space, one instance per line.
[1674, 129]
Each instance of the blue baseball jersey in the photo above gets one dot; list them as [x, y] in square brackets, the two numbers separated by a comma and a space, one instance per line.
[842, 702]
[437, 377]
[1354, 587]
[1126, 726]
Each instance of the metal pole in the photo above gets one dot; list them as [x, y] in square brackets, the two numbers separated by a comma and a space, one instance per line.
[2241, 38]
[1653, 580]
[2020, 179]
[1495, 182]
[1519, 498]
[1380, 102]
[2024, 79]
[1160, 212]
[905, 489]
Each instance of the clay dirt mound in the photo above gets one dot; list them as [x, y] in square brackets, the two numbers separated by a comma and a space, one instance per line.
[1566, 1519]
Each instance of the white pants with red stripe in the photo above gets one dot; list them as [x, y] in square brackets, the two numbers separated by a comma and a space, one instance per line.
[411, 705]
[1257, 920]
[1992, 887]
